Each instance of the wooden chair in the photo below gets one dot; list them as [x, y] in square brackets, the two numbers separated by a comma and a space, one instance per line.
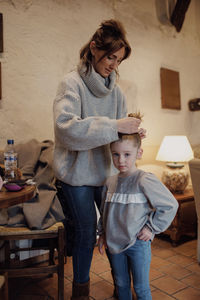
[48, 239]
[4, 286]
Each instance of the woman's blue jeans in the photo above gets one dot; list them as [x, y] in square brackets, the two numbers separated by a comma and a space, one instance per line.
[137, 259]
[80, 201]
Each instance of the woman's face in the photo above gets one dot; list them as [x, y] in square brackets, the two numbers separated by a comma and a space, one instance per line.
[109, 63]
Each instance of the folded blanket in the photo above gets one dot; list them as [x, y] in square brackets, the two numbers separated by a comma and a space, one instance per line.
[42, 211]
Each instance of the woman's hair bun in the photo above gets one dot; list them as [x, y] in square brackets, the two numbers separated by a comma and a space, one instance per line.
[113, 28]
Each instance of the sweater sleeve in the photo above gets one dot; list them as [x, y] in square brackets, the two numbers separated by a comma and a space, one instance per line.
[100, 229]
[162, 201]
[78, 133]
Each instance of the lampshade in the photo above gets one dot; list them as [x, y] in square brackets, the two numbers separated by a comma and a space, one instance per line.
[175, 148]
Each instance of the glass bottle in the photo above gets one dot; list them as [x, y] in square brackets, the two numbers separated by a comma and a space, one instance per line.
[10, 161]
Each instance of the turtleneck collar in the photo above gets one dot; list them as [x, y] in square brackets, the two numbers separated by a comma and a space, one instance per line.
[96, 83]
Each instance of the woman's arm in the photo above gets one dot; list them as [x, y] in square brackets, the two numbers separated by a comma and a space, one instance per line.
[75, 132]
[79, 134]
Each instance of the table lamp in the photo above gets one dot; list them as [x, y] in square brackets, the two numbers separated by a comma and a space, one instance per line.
[175, 150]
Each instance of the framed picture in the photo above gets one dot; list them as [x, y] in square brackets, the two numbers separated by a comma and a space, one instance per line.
[170, 89]
[1, 32]
[0, 82]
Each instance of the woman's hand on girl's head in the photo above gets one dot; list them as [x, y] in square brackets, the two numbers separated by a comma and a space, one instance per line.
[128, 125]
[102, 244]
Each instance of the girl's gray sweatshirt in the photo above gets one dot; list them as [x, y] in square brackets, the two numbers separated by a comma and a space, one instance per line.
[85, 113]
[129, 204]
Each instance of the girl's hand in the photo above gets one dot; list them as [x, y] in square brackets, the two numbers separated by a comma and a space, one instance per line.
[102, 244]
[1, 182]
[145, 234]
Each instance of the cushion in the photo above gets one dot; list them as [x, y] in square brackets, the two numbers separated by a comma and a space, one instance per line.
[25, 230]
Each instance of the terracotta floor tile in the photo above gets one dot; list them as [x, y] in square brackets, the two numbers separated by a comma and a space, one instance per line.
[192, 280]
[158, 295]
[99, 266]
[50, 286]
[188, 293]
[161, 243]
[157, 262]
[68, 269]
[187, 251]
[67, 292]
[94, 278]
[153, 288]
[174, 274]
[168, 285]
[97, 255]
[188, 245]
[194, 267]
[181, 260]
[96, 251]
[101, 290]
[175, 271]
[39, 289]
[163, 253]
[154, 274]
[106, 276]
[189, 248]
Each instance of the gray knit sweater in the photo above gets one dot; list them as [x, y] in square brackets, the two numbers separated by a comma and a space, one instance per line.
[129, 204]
[85, 113]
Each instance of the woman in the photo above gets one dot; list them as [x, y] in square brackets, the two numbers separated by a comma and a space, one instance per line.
[89, 111]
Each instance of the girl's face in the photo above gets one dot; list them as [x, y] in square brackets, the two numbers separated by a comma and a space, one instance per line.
[124, 155]
[109, 63]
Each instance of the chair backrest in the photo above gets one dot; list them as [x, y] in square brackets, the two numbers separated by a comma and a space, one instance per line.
[194, 166]
[4, 286]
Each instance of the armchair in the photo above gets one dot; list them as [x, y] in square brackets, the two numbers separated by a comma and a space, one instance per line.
[194, 166]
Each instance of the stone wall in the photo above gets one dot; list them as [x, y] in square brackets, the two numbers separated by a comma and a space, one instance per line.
[42, 40]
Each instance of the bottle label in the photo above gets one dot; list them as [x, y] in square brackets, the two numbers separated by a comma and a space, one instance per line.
[10, 164]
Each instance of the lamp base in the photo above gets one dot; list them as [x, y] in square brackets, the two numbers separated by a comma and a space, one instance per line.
[175, 179]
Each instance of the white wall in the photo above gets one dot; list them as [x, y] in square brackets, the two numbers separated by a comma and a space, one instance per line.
[42, 40]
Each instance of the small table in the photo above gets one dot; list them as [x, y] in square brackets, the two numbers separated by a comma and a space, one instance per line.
[8, 198]
[185, 221]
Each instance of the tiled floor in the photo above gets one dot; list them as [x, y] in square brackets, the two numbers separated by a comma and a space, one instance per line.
[175, 274]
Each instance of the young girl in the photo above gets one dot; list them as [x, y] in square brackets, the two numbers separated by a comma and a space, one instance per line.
[136, 206]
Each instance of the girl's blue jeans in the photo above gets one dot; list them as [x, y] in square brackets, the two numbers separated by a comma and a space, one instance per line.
[137, 259]
[80, 201]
